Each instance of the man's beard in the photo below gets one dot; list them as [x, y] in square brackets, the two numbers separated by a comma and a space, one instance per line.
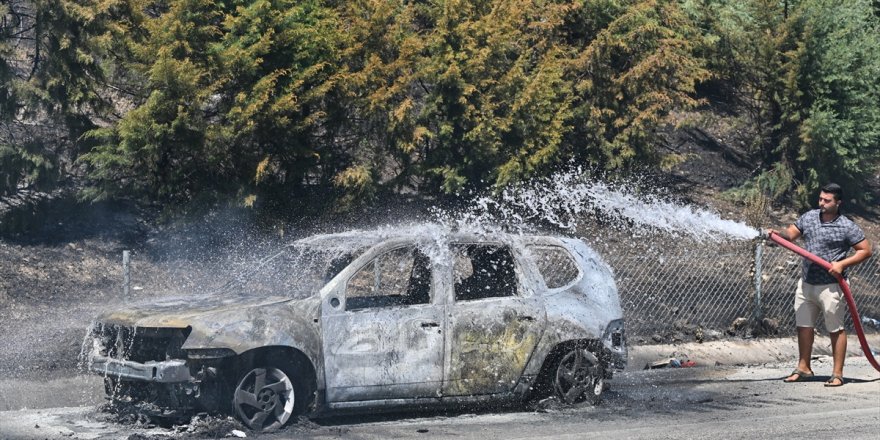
[826, 210]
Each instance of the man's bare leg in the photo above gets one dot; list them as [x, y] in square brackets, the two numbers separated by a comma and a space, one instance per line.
[838, 350]
[805, 351]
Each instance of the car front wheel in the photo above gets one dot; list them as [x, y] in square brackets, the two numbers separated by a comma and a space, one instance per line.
[266, 398]
[579, 377]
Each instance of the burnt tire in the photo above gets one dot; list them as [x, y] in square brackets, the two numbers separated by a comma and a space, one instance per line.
[579, 377]
[268, 397]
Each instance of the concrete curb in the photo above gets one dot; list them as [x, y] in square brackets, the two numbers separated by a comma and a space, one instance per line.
[740, 351]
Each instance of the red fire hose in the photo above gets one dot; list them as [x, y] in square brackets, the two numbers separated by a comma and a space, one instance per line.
[857, 324]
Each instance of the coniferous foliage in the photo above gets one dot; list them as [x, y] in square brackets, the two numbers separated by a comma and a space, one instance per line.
[158, 149]
[248, 98]
[259, 102]
[233, 99]
[802, 71]
[52, 83]
[830, 100]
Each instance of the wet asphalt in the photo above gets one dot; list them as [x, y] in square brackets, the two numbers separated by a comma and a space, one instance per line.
[723, 401]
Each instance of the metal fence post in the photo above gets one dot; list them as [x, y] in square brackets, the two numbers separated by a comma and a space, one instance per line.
[758, 312]
[126, 274]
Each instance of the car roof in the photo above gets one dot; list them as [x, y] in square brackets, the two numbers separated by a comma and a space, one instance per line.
[420, 233]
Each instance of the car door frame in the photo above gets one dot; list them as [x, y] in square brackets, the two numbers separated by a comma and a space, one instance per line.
[429, 320]
[535, 319]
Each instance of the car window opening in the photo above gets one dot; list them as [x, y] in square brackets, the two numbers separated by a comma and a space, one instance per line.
[483, 271]
[401, 277]
[556, 265]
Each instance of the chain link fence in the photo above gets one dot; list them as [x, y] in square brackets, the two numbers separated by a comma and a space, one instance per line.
[695, 291]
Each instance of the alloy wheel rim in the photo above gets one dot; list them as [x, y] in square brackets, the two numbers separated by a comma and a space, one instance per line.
[264, 399]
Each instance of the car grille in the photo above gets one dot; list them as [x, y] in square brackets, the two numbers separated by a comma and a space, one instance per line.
[140, 344]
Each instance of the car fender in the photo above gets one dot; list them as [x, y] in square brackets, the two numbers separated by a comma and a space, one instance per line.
[293, 324]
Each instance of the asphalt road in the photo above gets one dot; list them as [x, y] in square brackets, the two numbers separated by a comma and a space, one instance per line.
[707, 402]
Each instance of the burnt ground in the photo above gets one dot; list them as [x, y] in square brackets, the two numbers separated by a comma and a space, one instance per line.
[714, 159]
[60, 268]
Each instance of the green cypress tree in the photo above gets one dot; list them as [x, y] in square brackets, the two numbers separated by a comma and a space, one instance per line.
[232, 103]
[277, 64]
[829, 104]
[53, 83]
[158, 150]
[637, 69]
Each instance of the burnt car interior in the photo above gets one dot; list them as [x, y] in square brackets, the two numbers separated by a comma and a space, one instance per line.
[483, 271]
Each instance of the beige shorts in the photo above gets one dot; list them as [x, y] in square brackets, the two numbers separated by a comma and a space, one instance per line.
[810, 299]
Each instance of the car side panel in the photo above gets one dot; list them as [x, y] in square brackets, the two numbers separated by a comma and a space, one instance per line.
[384, 353]
[491, 342]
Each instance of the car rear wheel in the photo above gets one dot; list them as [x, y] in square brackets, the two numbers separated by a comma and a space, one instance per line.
[579, 377]
[267, 397]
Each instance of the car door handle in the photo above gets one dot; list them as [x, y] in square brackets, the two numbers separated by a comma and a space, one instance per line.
[430, 324]
[526, 318]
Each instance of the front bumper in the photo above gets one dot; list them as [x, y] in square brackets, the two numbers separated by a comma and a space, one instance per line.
[614, 342]
[617, 358]
[170, 371]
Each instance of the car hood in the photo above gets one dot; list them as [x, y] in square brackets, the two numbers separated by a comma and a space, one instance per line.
[182, 311]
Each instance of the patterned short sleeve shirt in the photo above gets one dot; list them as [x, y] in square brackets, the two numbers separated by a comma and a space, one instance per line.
[829, 240]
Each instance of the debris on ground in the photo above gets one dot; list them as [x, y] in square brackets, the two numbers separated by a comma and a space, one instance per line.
[148, 415]
[132, 413]
[548, 404]
[670, 363]
[139, 436]
[303, 424]
[205, 425]
[737, 326]
[871, 321]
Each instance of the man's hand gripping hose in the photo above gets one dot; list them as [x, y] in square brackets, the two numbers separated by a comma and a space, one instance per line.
[857, 324]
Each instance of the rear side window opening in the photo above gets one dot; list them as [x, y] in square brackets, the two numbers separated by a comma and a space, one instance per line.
[483, 271]
[556, 265]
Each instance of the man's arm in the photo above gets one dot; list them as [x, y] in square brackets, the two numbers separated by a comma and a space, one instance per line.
[863, 252]
[791, 233]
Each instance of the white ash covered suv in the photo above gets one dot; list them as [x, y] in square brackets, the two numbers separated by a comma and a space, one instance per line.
[375, 320]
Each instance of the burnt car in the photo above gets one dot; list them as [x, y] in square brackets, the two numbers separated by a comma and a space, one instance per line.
[375, 320]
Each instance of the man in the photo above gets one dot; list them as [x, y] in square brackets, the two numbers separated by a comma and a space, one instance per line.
[829, 235]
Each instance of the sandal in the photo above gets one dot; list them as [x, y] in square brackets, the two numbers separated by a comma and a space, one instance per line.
[830, 383]
[802, 376]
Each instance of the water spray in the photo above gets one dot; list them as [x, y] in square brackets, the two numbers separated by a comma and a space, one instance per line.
[850, 302]
[126, 273]
[568, 197]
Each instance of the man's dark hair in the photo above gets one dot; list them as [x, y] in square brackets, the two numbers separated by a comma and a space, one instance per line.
[833, 188]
